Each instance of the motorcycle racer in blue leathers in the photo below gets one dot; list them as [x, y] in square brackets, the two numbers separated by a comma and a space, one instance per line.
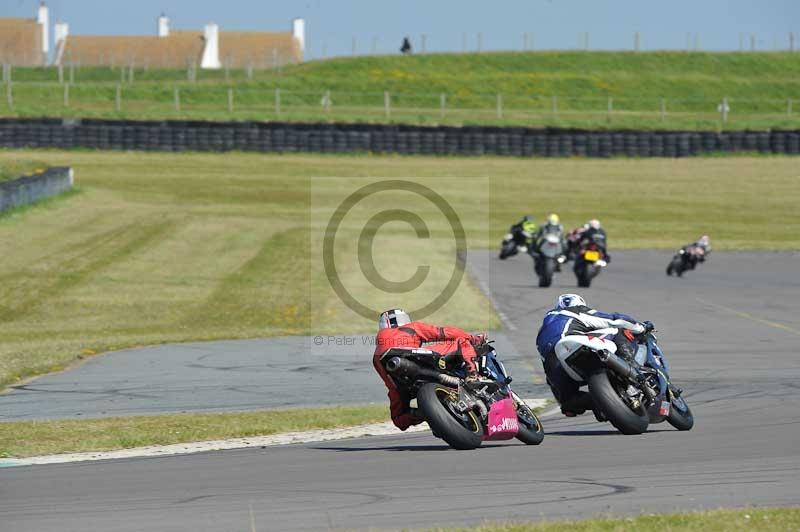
[572, 316]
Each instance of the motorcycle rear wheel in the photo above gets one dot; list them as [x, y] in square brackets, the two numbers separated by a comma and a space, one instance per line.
[676, 267]
[507, 250]
[546, 270]
[461, 431]
[584, 279]
[680, 415]
[619, 414]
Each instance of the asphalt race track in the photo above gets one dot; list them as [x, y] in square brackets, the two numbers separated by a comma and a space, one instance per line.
[230, 375]
[730, 331]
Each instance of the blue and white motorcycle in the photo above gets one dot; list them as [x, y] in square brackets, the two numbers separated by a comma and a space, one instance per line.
[630, 395]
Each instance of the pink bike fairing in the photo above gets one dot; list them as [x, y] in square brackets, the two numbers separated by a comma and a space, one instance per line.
[503, 423]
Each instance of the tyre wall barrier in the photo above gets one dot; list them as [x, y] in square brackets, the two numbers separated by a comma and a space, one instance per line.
[28, 189]
[279, 137]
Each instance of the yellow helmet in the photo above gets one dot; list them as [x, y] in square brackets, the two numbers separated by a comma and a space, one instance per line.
[553, 219]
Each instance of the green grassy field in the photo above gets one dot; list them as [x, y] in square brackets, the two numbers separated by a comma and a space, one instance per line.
[537, 88]
[750, 519]
[175, 247]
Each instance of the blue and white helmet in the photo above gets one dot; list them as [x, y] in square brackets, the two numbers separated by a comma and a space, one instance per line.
[570, 300]
[393, 318]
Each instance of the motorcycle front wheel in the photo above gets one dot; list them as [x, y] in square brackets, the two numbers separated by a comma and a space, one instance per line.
[680, 415]
[608, 398]
[437, 405]
[530, 428]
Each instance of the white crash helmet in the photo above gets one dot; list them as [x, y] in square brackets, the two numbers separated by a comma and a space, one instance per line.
[594, 223]
[393, 318]
[569, 300]
[704, 240]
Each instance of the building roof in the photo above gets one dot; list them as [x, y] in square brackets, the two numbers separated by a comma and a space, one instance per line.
[21, 41]
[240, 49]
[178, 50]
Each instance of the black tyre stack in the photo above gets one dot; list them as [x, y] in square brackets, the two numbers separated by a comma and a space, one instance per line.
[376, 138]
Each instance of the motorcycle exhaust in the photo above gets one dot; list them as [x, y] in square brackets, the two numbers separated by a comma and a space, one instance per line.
[407, 368]
[623, 368]
[618, 365]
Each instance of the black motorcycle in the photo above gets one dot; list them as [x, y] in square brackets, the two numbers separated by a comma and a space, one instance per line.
[685, 259]
[463, 414]
[589, 261]
[515, 241]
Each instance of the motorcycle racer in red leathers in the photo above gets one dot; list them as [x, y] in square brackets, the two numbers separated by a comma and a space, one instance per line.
[397, 330]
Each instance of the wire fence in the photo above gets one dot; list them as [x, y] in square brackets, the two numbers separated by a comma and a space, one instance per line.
[221, 101]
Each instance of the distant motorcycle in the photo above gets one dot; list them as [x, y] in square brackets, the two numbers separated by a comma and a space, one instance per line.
[685, 259]
[630, 395]
[590, 260]
[515, 241]
[548, 257]
[463, 414]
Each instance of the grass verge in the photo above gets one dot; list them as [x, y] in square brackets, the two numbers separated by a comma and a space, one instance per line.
[11, 168]
[751, 519]
[21, 439]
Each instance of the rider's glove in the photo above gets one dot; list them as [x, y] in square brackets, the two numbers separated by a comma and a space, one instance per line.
[478, 339]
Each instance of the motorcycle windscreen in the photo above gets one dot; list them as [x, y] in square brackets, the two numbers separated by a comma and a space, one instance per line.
[502, 423]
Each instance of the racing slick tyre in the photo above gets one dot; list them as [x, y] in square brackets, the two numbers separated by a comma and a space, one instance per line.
[530, 428]
[437, 405]
[619, 414]
[546, 273]
[680, 415]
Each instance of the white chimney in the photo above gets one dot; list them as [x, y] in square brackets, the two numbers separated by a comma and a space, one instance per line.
[60, 32]
[211, 50]
[299, 32]
[43, 18]
[163, 26]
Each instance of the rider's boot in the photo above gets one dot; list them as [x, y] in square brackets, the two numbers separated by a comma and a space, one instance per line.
[577, 404]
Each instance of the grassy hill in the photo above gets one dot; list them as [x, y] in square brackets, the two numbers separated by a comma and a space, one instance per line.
[653, 90]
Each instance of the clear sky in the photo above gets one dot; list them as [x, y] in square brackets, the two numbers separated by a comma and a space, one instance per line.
[450, 24]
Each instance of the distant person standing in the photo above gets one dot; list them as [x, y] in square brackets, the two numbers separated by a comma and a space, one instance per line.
[406, 46]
